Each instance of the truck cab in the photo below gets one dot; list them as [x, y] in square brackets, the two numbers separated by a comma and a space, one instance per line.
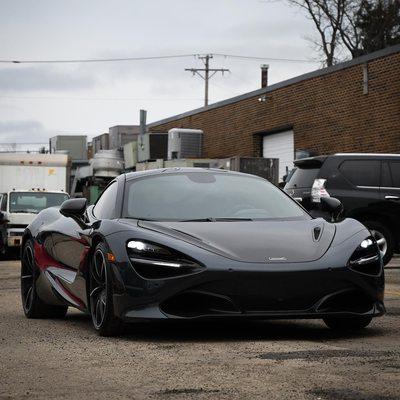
[18, 208]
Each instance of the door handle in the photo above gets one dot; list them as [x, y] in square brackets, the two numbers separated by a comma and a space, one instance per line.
[392, 197]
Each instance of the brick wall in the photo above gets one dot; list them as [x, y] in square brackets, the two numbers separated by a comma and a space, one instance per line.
[328, 113]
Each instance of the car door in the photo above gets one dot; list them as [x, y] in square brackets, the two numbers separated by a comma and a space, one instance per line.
[390, 189]
[72, 242]
[357, 186]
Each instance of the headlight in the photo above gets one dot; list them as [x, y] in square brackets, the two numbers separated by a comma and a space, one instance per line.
[153, 261]
[367, 258]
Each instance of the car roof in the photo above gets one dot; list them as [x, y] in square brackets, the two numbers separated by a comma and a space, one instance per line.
[184, 170]
[317, 161]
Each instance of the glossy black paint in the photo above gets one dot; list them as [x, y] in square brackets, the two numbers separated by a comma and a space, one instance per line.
[73, 207]
[263, 269]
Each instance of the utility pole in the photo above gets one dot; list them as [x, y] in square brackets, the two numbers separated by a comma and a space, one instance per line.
[208, 73]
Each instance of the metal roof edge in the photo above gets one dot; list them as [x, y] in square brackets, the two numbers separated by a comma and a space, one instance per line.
[309, 75]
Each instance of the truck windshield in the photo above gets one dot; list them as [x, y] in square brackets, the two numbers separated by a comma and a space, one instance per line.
[29, 202]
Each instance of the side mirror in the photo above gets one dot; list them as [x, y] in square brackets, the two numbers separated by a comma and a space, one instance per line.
[74, 208]
[333, 206]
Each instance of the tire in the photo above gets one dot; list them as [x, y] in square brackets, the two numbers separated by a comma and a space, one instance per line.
[32, 305]
[353, 323]
[384, 237]
[101, 295]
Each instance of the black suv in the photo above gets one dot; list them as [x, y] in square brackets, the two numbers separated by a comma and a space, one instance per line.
[368, 185]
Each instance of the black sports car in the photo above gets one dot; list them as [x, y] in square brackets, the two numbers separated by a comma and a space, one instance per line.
[199, 243]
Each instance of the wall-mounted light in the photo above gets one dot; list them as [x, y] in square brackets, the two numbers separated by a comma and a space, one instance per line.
[263, 98]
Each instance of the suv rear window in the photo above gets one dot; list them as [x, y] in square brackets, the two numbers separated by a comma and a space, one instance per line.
[302, 178]
[361, 172]
[391, 174]
[395, 169]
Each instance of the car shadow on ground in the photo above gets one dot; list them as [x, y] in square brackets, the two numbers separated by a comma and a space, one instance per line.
[227, 330]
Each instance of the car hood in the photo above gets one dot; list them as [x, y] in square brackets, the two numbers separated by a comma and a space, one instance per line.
[254, 241]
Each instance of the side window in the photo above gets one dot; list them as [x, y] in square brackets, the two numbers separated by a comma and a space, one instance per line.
[395, 170]
[386, 175]
[3, 203]
[361, 172]
[105, 206]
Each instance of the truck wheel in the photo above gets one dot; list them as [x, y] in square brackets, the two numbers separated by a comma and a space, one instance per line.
[32, 305]
[384, 238]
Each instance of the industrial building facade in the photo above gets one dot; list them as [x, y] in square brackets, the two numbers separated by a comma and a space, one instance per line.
[350, 107]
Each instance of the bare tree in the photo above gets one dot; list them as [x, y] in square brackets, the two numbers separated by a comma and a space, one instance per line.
[327, 16]
[358, 26]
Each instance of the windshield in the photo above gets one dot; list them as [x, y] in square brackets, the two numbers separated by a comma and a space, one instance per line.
[29, 202]
[207, 196]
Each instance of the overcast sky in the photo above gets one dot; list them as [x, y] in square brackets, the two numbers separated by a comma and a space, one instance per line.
[38, 101]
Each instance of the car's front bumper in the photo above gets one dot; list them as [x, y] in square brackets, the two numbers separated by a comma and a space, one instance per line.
[231, 288]
[254, 294]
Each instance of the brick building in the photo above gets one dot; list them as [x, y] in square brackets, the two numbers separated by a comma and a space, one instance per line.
[350, 107]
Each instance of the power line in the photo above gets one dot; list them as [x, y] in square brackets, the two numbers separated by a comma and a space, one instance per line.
[101, 98]
[295, 60]
[95, 60]
[208, 73]
[163, 57]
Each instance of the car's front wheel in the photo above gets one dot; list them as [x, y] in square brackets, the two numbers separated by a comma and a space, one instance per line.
[348, 324]
[33, 306]
[101, 295]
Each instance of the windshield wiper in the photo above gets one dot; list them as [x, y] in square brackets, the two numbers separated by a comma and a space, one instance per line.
[198, 220]
[232, 219]
[22, 212]
[210, 219]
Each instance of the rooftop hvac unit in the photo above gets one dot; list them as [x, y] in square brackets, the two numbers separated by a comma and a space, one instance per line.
[184, 143]
[101, 142]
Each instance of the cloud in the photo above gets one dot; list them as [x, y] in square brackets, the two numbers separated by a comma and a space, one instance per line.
[24, 131]
[34, 78]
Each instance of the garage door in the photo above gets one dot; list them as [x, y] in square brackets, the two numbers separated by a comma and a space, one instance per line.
[280, 145]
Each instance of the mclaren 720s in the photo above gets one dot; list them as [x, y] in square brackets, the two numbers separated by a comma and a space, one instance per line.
[192, 243]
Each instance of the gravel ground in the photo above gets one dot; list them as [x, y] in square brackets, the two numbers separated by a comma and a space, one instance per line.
[253, 360]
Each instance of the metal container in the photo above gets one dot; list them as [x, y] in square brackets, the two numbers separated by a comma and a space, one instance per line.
[107, 163]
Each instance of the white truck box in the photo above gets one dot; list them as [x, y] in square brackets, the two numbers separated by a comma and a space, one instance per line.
[29, 183]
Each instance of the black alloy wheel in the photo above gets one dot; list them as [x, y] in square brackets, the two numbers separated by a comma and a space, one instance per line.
[32, 305]
[100, 298]
[28, 278]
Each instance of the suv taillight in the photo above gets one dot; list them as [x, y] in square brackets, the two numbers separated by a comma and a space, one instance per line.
[318, 190]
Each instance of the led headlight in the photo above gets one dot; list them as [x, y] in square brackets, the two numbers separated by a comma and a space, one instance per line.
[367, 258]
[147, 249]
[153, 261]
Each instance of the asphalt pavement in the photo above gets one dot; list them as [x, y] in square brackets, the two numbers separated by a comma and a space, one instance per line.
[65, 359]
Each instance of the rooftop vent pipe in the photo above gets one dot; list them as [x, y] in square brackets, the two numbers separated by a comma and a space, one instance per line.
[264, 75]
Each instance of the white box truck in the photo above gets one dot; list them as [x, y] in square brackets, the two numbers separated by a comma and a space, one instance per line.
[29, 183]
